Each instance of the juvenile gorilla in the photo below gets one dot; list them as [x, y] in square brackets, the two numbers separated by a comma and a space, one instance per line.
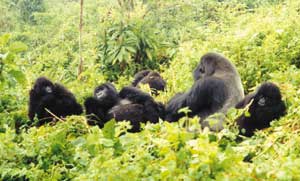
[266, 105]
[152, 78]
[54, 97]
[217, 87]
[96, 107]
[130, 104]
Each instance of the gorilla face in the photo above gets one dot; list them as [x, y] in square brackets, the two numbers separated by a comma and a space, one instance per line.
[267, 95]
[266, 106]
[101, 93]
[106, 93]
[206, 66]
[43, 86]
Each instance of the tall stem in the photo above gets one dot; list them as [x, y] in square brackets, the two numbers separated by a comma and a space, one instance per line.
[80, 66]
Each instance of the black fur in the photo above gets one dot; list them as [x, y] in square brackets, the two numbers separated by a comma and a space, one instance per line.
[217, 87]
[129, 104]
[54, 97]
[266, 106]
[204, 98]
[152, 78]
[96, 107]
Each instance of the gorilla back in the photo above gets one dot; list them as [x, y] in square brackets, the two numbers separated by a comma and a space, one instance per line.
[217, 87]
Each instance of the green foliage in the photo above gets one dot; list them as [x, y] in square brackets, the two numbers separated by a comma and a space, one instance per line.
[130, 44]
[9, 69]
[27, 9]
[120, 37]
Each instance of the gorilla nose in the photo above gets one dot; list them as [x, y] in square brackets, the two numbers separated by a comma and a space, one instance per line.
[99, 94]
[48, 89]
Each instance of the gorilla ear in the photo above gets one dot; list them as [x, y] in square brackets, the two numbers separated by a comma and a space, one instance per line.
[209, 67]
[243, 103]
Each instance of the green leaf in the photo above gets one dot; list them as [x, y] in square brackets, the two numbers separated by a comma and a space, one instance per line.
[247, 114]
[17, 47]
[8, 58]
[4, 39]
[18, 75]
[109, 129]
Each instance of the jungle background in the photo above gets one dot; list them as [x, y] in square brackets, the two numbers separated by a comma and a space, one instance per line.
[121, 37]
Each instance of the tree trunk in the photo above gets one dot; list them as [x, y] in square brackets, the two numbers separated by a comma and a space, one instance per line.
[80, 66]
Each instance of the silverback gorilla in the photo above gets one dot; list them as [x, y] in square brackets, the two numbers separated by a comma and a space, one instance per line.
[129, 104]
[54, 97]
[266, 105]
[217, 87]
[152, 78]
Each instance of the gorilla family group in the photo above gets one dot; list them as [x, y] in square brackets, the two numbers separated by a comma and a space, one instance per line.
[217, 87]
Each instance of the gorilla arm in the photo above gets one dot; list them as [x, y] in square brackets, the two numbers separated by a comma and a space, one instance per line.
[135, 95]
[134, 113]
[66, 101]
[94, 111]
[207, 97]
[33, 104]
[177, 102]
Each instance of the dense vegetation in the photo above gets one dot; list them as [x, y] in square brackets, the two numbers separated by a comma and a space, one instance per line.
[121, 37]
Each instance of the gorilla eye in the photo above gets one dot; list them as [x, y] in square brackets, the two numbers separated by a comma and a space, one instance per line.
[201, 70]
[261, 101]
[48, 89]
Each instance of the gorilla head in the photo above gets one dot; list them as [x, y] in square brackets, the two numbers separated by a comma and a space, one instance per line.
[43, 86]
[212, 64]
[106, 93]
[217, 87]
[54, 97]
[152, 78]
[266, 105]
[96, 107]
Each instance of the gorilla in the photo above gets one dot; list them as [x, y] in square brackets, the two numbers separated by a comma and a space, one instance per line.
[152, 78]
[54, 97]
[96, 107]
[217, 87]
[129, 104]
[265, 106]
